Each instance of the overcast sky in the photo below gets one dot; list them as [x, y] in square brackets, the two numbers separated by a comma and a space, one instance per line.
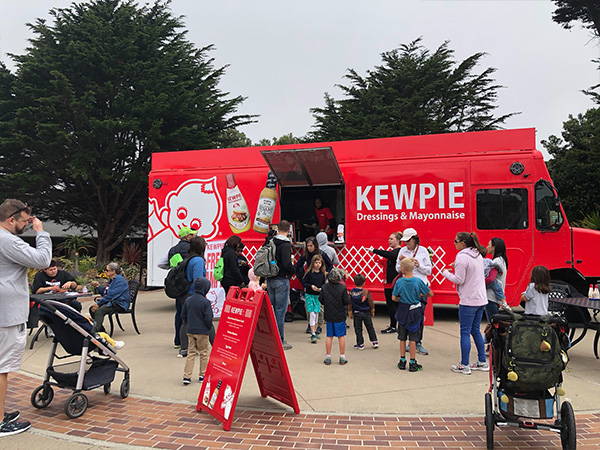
[284, 55]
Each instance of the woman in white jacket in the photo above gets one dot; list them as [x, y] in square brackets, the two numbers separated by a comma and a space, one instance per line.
[422, 261]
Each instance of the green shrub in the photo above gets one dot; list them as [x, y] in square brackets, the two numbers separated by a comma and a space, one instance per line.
[87, 263]
[65, 263]
[591, 221]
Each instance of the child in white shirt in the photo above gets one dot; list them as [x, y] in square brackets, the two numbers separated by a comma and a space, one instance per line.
[535, 296]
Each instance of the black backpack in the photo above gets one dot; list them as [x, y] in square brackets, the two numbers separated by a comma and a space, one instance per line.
[176, 283]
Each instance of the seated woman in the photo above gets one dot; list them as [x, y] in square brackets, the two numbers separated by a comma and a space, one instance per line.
[115, 297]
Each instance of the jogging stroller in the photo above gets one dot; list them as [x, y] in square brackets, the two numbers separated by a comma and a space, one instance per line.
[73, 332]
[527, 355]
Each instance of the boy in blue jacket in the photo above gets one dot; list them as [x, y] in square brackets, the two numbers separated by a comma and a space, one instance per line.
[197, 313]
[411, 294]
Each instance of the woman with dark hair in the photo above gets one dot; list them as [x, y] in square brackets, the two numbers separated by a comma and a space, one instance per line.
[243, 264]
[231, 269]
[196, 267]
[311, 248]
[470, 284]
[497, 249]
[390, 274]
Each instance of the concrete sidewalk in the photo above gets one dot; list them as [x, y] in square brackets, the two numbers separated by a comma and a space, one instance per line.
[370, 383]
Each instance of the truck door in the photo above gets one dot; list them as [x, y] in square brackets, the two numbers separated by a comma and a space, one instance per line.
[503, 212]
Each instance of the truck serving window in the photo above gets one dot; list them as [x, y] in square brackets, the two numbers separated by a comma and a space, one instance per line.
[548, 216]
[502, 209]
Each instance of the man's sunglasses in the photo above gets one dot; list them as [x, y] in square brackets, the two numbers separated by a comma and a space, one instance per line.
[20, 210]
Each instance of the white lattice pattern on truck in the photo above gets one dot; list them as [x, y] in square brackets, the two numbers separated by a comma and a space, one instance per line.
[360, 259]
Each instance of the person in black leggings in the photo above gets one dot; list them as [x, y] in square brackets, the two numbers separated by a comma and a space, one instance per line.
[390, 274]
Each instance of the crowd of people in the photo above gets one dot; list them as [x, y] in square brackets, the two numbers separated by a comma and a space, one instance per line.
[480, 283]
[330, 303]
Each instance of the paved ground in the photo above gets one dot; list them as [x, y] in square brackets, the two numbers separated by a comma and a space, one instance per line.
[367, 403]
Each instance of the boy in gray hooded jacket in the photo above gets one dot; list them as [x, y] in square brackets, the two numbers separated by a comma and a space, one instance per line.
[325, 248]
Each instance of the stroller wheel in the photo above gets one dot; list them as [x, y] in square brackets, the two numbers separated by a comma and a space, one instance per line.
[107, 388]
[124, 390]
[76, 405]
[42, 396]
[489, 421]
[568, 435]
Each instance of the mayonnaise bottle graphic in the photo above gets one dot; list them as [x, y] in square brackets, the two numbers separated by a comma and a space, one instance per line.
[238, 214]
[215, 395]
[266, 205]
[206, 394]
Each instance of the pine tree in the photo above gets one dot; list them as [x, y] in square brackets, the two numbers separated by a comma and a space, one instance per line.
[587, 12]
[575, 166]
[98, 90]
[414, 91]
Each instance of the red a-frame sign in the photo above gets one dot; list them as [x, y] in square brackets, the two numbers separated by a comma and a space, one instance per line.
[247, 327]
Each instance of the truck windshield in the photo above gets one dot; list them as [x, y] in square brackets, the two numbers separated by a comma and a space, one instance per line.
[548, 216]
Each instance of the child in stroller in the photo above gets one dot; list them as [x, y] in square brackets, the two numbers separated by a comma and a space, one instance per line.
[73, 332]
[527, 357]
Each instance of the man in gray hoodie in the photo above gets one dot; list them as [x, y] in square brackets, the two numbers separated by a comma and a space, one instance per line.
[16, 256]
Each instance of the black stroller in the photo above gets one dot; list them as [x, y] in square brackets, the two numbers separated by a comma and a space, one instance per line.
[527, 355]
[73, 332]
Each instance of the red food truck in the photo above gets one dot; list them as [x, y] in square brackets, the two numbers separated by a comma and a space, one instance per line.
[492, 182]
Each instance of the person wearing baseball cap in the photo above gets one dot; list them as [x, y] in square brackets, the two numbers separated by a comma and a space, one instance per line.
[422, 261]
[179, 251]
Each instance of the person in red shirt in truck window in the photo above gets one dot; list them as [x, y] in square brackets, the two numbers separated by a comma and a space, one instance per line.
[324, 218]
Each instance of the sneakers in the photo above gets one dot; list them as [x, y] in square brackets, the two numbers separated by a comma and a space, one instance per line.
[389, 330]
[375, 344]
[359, 347]
[459, 368]
[186, 381]
[201, 378]
[413, 366]
[313, 339]
[319, 330]
[421, 350]
[402, 364]
[308, 330]
[176, 347]
[14, 427]
[182, 354]
[343, 361]
[119, 345]
[287, 346]
[327, 361]
[11, 416]
[483, 366]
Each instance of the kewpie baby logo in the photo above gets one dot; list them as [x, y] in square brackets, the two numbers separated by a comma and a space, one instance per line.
[195, 204]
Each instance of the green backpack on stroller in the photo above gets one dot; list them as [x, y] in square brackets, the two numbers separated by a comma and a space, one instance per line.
[533, 358]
